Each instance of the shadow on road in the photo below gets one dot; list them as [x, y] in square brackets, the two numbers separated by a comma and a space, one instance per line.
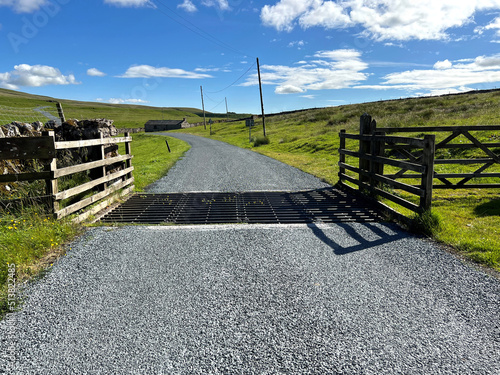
[364, 243]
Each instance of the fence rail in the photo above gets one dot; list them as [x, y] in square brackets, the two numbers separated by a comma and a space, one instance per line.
[105, 185]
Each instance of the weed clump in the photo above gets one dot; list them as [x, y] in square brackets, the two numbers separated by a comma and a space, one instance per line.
[260, 140]
[427, 223]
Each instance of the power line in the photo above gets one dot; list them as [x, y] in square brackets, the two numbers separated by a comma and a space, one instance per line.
[217, 105]
[195, 29]
[232, 84]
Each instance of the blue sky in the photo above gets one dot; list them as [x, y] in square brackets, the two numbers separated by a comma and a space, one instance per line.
[313, 53]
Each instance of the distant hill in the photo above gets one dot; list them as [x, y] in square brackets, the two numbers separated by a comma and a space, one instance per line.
[124, 115]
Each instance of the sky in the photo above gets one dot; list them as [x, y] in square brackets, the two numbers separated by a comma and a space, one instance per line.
[312, 53]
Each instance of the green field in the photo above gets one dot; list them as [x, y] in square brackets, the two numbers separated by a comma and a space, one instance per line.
[124, 115]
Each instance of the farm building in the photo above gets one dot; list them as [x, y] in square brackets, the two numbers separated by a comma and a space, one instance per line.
[163, 125]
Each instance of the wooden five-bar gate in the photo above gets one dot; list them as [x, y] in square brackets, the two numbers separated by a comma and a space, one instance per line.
[415, 160]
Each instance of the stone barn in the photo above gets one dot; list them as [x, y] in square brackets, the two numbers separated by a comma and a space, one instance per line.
[165, 125]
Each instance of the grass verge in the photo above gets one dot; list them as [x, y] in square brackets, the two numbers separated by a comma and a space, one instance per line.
[151, 157]
[30, 241]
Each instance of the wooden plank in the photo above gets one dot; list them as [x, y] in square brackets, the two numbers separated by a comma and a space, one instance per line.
[404, 203]
[341, 155]
[365, 127]
[86, 166]
[468, 186]
[397, 163]
[414, 142]
[25, 148]
[446, 146]
[448, 139]
[25, 177]
[396, 184]
[93, 199]
[382, 193]
[350, 179]
[101, 206]
[89, 185]
[91, 142]
[478, 144]
[428, 175]
[424, 129]
[463, 161]
[467, 175]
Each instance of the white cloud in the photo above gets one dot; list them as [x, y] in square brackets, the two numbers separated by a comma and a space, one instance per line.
[308, 96]
[298, 43]
[95, 72]
[445, 77]
[381, 19]
[23, 6]
[124, 101]
[25, 75]
[147, 71]
[446, 64]
[188, 6]
[129, 3]
[221, 4]
[341, 69]
[495, 25]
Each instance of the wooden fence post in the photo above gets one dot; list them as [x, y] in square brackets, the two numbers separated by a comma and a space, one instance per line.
[341, 155]
[428, 176]
[60, 112]
[51, 185]
[128, 162]
[365, 128]
[102, 155]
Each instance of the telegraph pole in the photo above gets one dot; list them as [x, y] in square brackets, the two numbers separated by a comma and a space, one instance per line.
[203, 106]
[227, 112]
[261, 100]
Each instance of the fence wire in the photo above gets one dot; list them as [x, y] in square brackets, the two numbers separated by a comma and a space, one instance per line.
[29, 115]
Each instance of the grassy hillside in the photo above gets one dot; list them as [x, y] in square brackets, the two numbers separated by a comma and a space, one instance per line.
[124, 115]
[308, 140]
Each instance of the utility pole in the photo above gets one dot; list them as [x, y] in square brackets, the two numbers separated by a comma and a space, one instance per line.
[203, 106]
[261, 100]
[227, 113]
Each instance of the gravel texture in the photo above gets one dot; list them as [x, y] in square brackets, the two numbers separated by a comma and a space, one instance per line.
[217, 166]
[254, 299]
[297, 299]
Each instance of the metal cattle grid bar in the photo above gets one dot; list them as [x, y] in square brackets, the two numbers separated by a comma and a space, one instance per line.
[325, 205]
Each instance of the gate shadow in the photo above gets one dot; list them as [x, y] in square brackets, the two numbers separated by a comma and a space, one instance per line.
[363, 243]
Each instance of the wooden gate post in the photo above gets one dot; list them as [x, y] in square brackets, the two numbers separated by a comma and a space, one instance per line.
[128, 162]
[341, 155]
[365, 128]
[428, 176]
[51, 185]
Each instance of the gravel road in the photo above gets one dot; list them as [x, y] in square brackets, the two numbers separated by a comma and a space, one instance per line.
[255, 299]
[216, 166]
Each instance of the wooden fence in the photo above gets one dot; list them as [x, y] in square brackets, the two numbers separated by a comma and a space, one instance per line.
[44, 148]
[416, 156]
